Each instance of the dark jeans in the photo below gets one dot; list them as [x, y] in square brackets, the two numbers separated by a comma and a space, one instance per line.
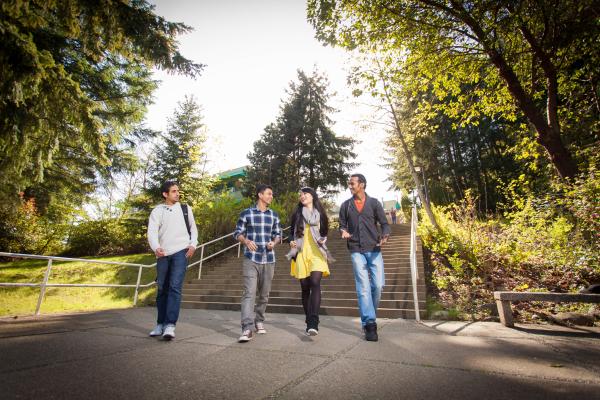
[170, 274]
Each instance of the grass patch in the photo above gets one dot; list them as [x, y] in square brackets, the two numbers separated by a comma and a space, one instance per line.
[437, 310]
[22, 300]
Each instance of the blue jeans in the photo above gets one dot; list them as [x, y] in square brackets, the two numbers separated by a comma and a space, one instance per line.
[170, 272]
[370, 280]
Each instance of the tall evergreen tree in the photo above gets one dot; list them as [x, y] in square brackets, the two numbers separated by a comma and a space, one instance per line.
[75, 79]
[180, 155]
[301, 148]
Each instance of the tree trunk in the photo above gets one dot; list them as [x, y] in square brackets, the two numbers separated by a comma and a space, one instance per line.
[408, 155]
[548, 132]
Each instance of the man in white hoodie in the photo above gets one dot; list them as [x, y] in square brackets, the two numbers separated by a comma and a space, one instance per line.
[173, 236]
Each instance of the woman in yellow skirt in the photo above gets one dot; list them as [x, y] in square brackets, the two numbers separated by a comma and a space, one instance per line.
[309, 254]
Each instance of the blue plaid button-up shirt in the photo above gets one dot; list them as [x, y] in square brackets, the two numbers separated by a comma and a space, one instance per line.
[261, 227]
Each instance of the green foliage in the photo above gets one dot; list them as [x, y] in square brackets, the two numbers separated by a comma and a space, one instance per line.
[582, 199]
[406, 206]
[180, 154]
[300, 148]
[517, 60]
[24, 230]
[536, 247]
[107, 236]
[218, 215]
[285, 204]
[75, 80]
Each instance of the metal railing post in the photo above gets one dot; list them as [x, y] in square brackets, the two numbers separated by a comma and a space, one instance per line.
[413, 260]
[201, 258]
[43, 287]
[44, 284]
[137, 286]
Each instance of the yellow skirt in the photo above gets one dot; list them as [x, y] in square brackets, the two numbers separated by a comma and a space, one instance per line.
[309, 259]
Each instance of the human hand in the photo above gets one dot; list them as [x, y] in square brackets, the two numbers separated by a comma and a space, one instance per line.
[383, 240]
[270, 245]
[293, 244]
[159, 252]
[190, 252]
[346, 235]
[322, 241]
[250, 245]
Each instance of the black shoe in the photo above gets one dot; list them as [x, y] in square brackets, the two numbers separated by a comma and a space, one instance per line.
[371, 332]
[312, 325]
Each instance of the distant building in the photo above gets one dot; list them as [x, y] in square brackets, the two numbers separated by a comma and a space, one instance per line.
[231, 181]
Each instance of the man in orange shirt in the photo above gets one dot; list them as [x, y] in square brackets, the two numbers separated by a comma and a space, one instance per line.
[359, 217]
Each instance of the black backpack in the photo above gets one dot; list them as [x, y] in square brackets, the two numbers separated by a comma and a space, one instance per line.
[184, 208]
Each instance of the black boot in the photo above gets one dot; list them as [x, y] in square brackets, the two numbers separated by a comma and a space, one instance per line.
[371, 332]
[312, 325]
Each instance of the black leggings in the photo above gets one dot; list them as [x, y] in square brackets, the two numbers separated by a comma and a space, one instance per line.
[311, 294]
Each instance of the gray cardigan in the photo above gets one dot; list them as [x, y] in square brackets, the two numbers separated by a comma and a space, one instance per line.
[363, 225]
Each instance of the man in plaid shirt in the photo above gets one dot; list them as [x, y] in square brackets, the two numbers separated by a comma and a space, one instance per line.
[258, 228]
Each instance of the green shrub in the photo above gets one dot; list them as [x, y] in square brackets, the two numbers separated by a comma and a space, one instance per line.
[23, 230]
[538, 247]
[109, 236]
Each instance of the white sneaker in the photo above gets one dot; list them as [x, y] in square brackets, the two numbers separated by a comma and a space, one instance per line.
[157, 331]
[312, 332]
[260, 328]
[247, 335]
[169, 332]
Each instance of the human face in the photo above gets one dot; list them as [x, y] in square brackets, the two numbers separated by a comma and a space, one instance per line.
[266, 196]
[355, 186]
[306, 199]
[173, 196]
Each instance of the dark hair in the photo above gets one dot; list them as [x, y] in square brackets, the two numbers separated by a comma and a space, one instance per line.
[297, 221]
[361, 178]
[166, 187]
[261, 188]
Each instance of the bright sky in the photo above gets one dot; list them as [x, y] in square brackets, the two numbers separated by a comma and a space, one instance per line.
[252, 50]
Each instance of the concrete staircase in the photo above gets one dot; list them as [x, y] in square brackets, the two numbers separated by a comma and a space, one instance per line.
[221, 285]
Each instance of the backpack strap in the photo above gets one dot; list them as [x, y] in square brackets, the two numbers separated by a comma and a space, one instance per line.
[184, 208]
[347, 208]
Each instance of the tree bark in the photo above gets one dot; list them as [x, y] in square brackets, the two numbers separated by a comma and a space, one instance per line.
[548, 132]
[407, 153]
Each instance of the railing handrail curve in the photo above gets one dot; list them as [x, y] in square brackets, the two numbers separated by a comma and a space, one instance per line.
[44, 284]
[413, 259]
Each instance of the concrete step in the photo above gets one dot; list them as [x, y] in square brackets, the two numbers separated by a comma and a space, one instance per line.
[236, 266]
[296, 294]
[297, 309]
[294, 286]
[285, 270]
[285, 276]
[325, 302]
[221, 284]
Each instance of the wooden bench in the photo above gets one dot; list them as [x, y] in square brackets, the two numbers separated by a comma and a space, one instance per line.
[503, 300]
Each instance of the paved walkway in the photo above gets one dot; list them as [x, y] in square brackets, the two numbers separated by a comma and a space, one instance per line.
[107, 355]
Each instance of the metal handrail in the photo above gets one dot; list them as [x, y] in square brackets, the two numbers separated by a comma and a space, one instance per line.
[413, 259]
[44, 284]
[138, 285]
[238, 245]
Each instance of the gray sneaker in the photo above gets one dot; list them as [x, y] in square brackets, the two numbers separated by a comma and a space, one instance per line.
[260, 328]
[157, 331]
[169, 332]
[247, 336]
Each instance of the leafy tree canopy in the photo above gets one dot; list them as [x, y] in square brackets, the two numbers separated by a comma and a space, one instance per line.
[75, 80]
[535, 59]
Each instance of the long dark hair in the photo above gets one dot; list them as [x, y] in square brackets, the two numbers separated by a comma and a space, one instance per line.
[297, 221]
